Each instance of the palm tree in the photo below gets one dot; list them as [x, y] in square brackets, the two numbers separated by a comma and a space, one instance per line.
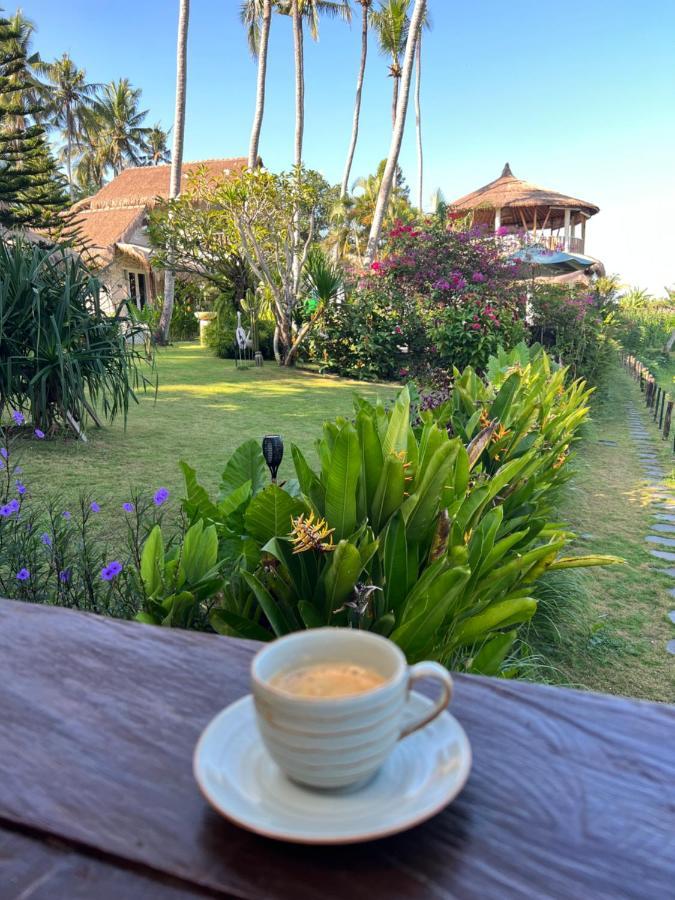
[158, 151]
[117, 123]
[397, 135]
[176, 157]
[257, 16]
[391, 24]
[365, 8]
[68, 94]
[309, 10]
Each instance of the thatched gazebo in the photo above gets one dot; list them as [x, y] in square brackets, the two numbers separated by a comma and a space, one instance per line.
[510, 204]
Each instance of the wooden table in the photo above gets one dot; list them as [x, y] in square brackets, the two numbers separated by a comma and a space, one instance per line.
[571, 794]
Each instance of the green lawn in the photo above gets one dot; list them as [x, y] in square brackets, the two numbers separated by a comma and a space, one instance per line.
[612, 621]
[204, 409]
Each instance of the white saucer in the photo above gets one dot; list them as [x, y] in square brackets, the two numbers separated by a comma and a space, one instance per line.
[238, 777]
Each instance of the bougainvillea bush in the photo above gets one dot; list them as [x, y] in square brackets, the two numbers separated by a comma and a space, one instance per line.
[436, 298]
[575, 324]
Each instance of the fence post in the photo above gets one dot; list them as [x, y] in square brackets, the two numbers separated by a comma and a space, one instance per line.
[669, 413]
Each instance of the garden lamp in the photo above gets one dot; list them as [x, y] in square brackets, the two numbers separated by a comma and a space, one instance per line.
[273, 451]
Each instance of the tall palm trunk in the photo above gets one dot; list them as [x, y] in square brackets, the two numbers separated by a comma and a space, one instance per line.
[357, 103]
[176, 158]
[69, 152]
[397, 136]
[299, 80]
[418, 125]
[260, 91]
[394, 100]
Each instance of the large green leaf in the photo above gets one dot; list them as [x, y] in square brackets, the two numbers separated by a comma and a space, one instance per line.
[270, 512]
[224, 621]
[268, 605]
[246, 464]
[396, 437]
[341, 575]
[389, 494]
[395, 559]
[152, 561]
[498, 615]
[341, 482]
[199, 553]
[310, 484]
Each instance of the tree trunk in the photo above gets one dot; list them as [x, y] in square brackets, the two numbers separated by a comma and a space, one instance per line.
[357, 103]
[260, 91]
[394, 102]
[176, 158]
[397, 136]
[299, 127]
[418, 125]
[299, 81]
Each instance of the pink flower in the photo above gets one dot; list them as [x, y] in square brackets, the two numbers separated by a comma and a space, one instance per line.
[441, 285]
[502, 230]
[478, 277]
[403, 372]
[398, 330]
[376, 266]
[476, 326]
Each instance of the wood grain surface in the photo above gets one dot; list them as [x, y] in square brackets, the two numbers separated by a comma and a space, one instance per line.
[571, 794]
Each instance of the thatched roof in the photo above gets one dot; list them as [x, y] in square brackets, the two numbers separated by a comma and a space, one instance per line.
[515, 198]
[142, 185]
[111, 216]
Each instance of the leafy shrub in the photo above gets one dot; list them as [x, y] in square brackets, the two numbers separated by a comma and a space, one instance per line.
[644, 329]
[575, 325]
[432, 533]
[450, 297]
[60, 354]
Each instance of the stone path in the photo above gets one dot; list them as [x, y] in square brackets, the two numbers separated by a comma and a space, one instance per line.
[662, 532]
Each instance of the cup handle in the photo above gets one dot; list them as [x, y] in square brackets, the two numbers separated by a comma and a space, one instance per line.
[435, 670]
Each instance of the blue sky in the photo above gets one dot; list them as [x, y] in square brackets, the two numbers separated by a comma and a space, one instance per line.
[577, 96]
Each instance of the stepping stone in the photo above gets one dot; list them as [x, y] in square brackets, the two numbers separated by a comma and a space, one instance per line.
[663, 528]
[670, 572]
[658, 539]
[671, 616]
[664, 517]
[670, 647]
[661, 554]
[608, 443]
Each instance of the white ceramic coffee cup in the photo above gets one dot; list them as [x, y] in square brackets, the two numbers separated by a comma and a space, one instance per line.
[336, 742]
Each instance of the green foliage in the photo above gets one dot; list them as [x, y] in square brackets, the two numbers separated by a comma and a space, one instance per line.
[59, 353]
[433, 539]
[575, 324]
[32, 192]
[645, 330]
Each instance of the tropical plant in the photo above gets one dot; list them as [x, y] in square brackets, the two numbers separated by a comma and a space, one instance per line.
[162, 334]
[114, 126]
[391, 23]
[67, 94]
[434, 535]
[388, 176]
[158, 150]
[256, 15]
[61, 357]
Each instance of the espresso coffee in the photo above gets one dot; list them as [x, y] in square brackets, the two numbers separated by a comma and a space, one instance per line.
[328, 680]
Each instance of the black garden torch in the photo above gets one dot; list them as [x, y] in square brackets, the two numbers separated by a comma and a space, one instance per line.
[273, 451]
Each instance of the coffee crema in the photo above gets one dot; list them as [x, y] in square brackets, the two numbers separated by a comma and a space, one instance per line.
[328, 680]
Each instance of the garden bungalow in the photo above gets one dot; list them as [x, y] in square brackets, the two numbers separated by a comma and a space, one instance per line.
[555, 223]
[113, 225]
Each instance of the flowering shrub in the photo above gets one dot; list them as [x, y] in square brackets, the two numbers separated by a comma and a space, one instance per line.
[450, 297]
[574, 324]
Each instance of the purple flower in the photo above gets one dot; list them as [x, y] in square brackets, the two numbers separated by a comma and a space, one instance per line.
[112, 570]
[128, 507]
[95, 507]
[13, 506]
[161, 496]
[4, 452]
[21, 488]
[64, 576]
[23, 575]
[39, 434]
[19, 418]
[66, 515]
[441, 285]
[5, 511]
[46, 540]
[478, 278]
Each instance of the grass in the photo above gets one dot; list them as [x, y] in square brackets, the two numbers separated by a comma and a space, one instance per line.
[204, 408]
[606, 628]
